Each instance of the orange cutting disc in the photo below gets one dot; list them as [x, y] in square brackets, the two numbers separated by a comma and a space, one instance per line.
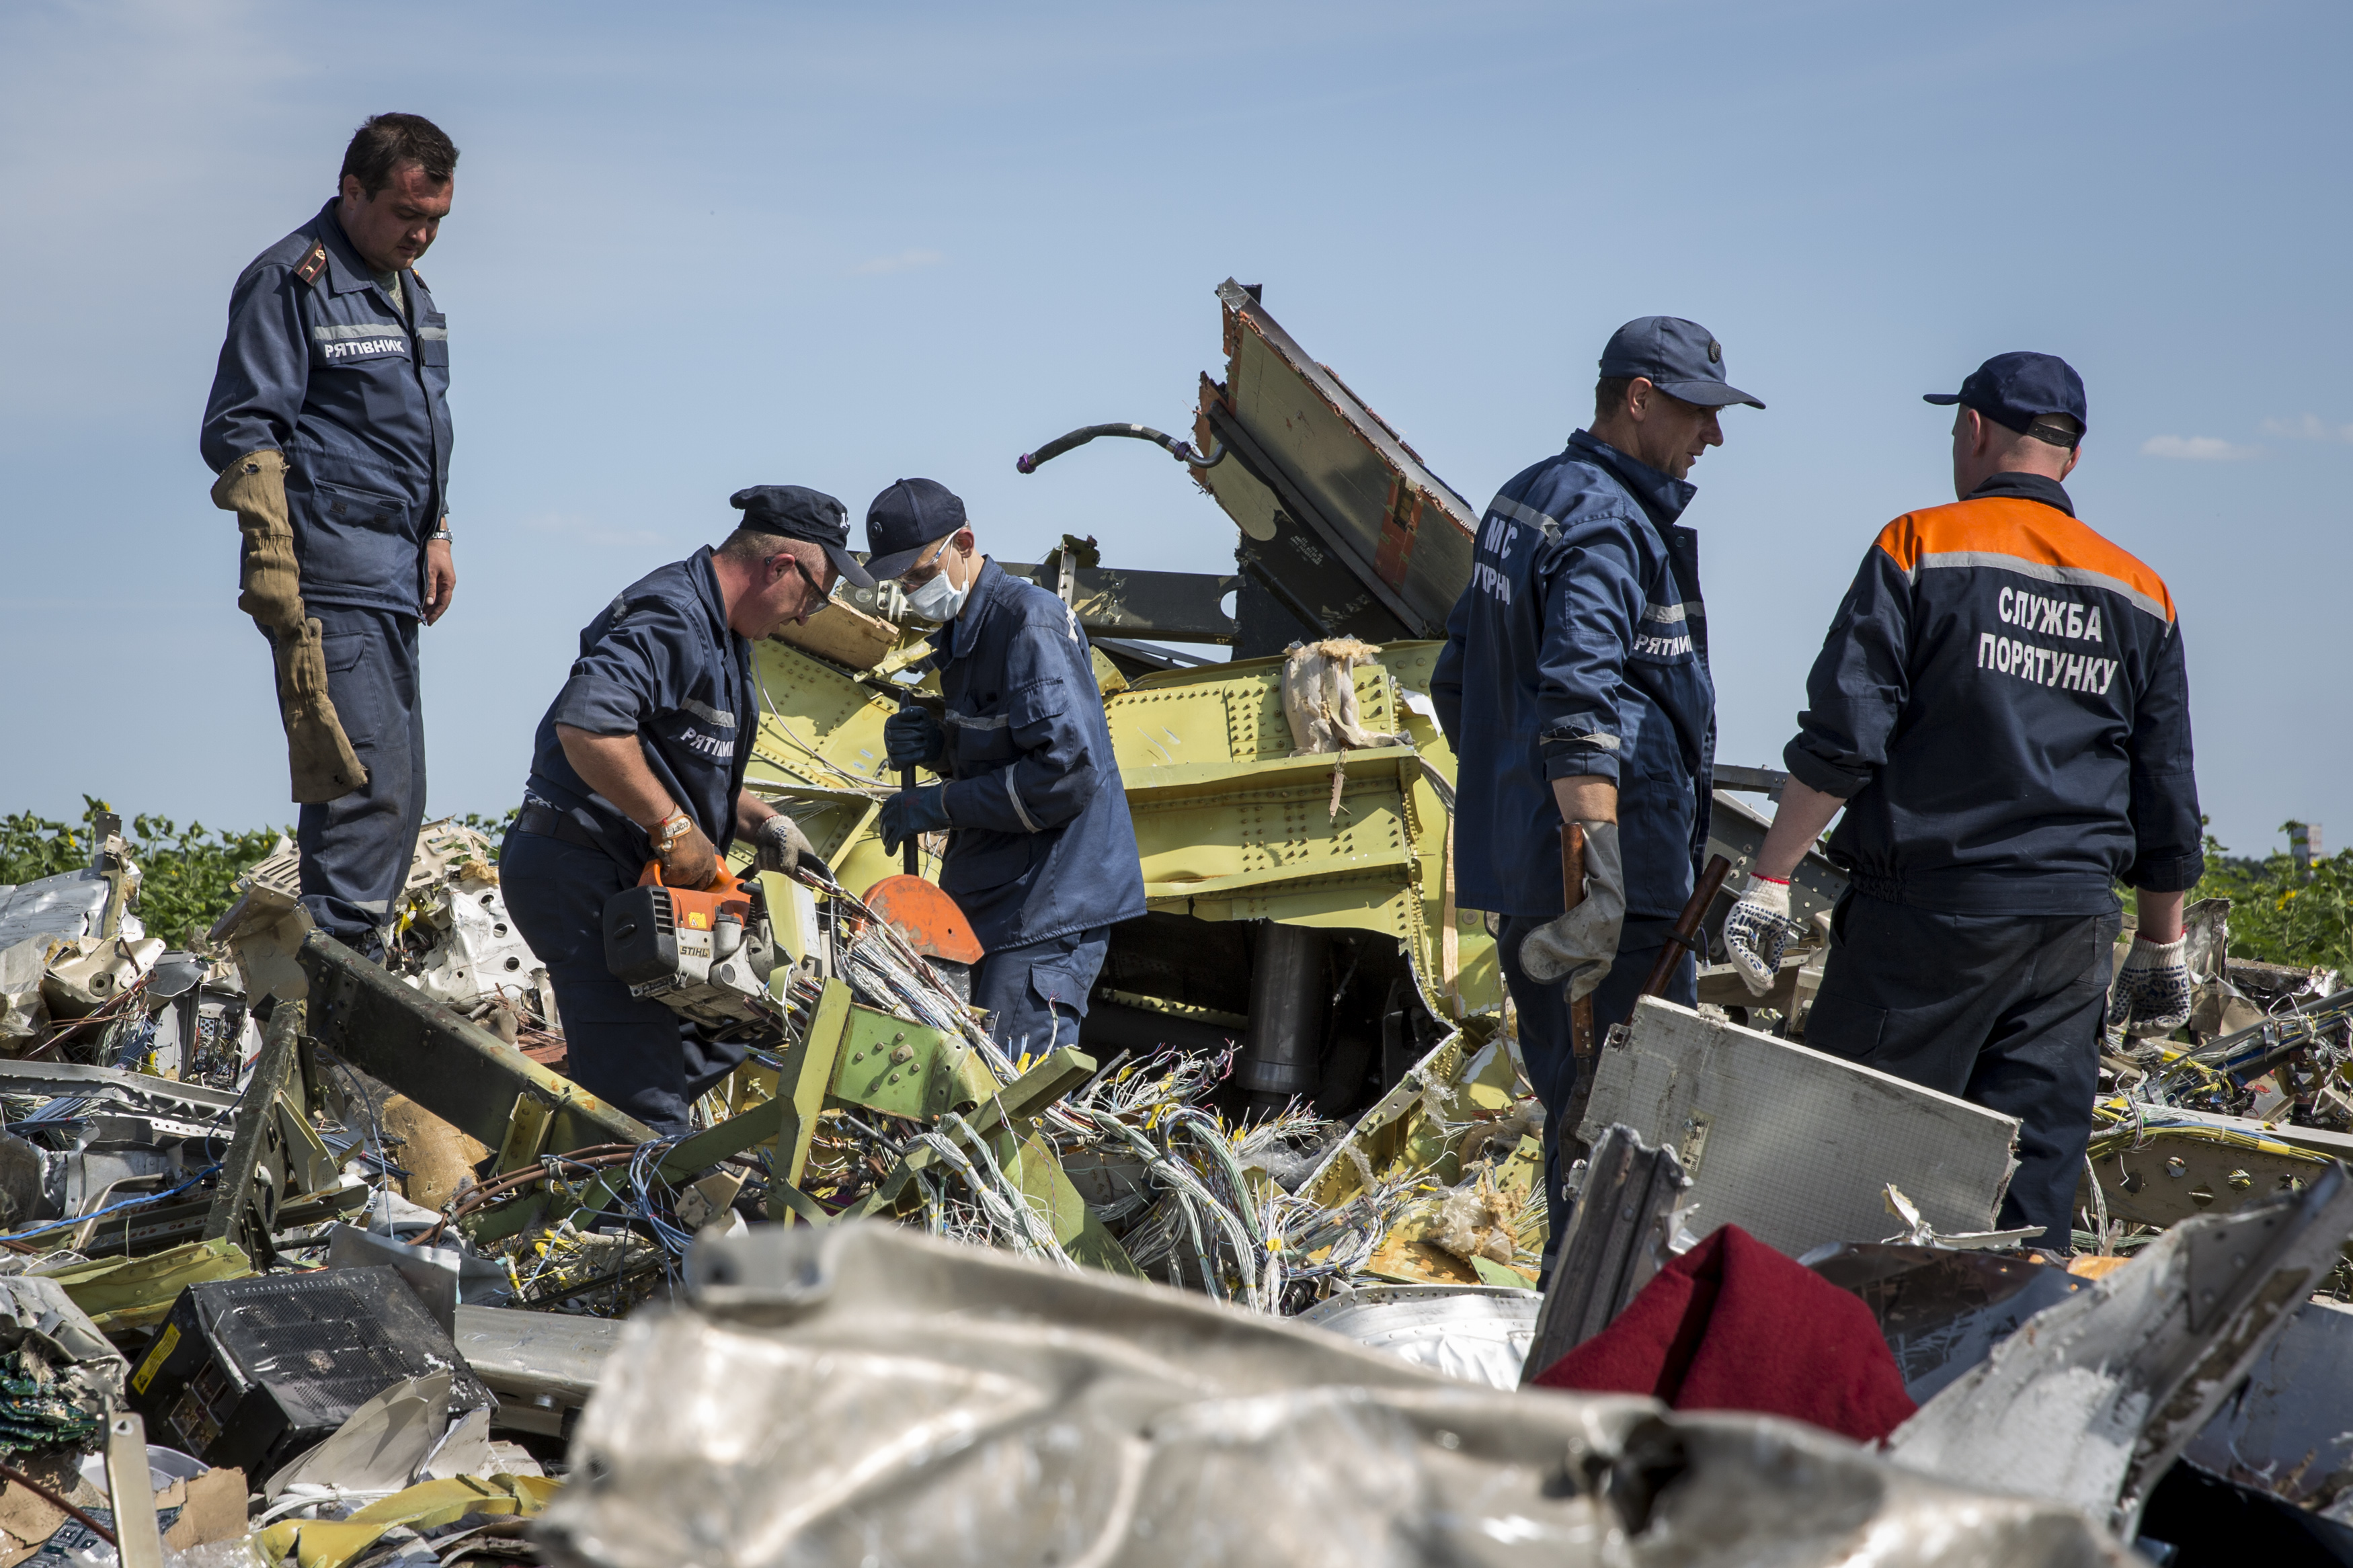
[926, 917]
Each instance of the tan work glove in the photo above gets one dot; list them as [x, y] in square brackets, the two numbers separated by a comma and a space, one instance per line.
[688, 857]
[318, 753]
[269, 583]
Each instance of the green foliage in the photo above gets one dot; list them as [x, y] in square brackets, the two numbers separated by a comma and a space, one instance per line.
[187, 875]
[2279, 916]
[494, 828]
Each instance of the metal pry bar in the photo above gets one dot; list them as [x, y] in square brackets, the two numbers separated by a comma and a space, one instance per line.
[1180, 450]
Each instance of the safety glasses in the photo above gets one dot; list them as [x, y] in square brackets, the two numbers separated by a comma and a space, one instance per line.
[926, 567]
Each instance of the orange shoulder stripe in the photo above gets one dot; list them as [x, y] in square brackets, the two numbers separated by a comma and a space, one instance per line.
[2007, 532]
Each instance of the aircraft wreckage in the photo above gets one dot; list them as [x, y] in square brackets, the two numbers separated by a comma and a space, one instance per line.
[1294, 1093]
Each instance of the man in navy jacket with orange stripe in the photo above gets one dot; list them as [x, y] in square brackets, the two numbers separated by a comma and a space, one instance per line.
[2002, 709]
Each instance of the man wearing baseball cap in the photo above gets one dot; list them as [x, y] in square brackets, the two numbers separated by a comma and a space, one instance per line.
[1575, 688]
[1040, 853]
[2003, 709]
[641, 757]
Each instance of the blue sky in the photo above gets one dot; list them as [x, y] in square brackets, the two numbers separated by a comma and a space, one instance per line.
[701, 247]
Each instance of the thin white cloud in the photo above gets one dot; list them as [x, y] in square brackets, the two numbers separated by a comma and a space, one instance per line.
[2311, 428]
[587, 531]
[905, 261]
[2198, 449]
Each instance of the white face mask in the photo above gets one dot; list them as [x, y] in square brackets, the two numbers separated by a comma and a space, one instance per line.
[939, 599]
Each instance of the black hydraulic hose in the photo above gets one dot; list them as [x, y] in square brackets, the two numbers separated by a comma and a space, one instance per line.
[1182, 451]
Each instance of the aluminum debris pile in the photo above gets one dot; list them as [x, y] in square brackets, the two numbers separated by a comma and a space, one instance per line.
[1105, 1421]
[76, 964]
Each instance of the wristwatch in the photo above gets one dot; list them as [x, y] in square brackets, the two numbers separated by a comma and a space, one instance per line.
[440, 533]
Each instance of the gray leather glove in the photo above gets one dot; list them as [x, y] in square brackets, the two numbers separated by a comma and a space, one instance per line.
[1582, 944]
[781, 846]
[2152, 995]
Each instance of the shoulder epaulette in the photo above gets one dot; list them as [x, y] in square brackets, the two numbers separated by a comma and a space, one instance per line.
[313, 265]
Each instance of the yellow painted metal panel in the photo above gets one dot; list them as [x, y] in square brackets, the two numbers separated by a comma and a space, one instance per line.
[1230, 824]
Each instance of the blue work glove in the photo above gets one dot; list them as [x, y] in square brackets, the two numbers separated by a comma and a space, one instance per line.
[912, 812]
[912, 737]
[2152, 993]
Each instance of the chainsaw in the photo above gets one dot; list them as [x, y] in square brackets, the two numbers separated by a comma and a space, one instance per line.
[705, 954]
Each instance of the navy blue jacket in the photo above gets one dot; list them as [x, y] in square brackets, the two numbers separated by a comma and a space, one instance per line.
[1041, 845]
[659, 662]
[1580, 648]
[2003, 703]
[356, 393]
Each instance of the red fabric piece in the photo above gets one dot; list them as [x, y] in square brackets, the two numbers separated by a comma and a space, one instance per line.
[1734, 1325]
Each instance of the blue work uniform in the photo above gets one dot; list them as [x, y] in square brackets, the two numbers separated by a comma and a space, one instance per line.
[320, 364]
[660, 663]
[1580, 649]
[1042, 855]
[2003, 703]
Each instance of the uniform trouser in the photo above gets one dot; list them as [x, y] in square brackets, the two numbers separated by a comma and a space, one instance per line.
[356, 849]
[631, 1052]
[1545, 1046]
[1037, 993]
[2002, 1010]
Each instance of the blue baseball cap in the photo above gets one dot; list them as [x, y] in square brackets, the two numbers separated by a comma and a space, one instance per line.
[907, 520]
[1680, 358]
[797, 512]
[2013, 389]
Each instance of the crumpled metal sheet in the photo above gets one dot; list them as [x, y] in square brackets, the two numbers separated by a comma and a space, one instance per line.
[2284, 1430]
[862, 1395]
[24, 1015]
[38, 1312]
[69, 904]
[1473, 1333]
[2094, 1399]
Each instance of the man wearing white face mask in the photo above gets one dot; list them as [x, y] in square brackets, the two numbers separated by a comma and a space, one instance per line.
[1042, 855]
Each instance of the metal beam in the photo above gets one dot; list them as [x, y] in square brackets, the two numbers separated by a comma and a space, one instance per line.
[1296, 504]
[230, 1218]
[1160, 606]
[462, 1073]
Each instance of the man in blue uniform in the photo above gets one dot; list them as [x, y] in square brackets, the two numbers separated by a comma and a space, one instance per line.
[329, 428]
[2001, 708]
[641, 757]
[1042, 855]
[1575, 688]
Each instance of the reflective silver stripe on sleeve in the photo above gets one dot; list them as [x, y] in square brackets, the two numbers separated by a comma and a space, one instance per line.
[2073, 576]
[432, 333]
[1599, 740]
[1018, 809]
[1519, 513]
[973, 722]
[335, 334]
[704, 710]
[1668, 614]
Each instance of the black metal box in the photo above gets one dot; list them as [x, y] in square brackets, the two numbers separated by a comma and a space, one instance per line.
[250, 1372]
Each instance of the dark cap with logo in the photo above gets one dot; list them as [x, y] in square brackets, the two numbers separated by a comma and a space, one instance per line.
[797, 512]
[905, 520]
[2014, 389]
[1680, 358]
